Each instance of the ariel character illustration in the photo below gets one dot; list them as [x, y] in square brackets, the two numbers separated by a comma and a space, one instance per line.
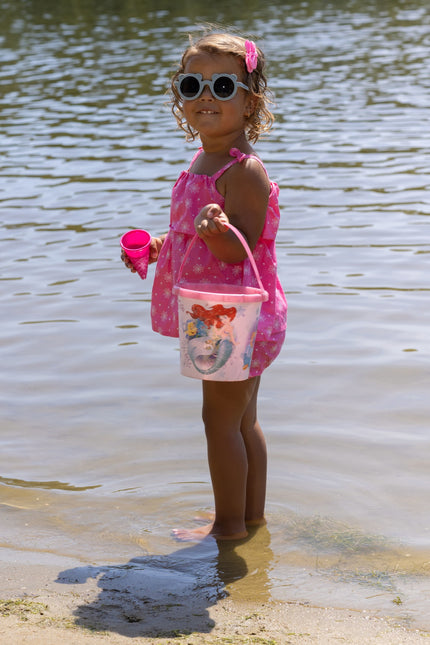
[212, 341]
[248, 351]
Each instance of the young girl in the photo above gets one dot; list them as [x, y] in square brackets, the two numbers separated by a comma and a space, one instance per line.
[220, 94]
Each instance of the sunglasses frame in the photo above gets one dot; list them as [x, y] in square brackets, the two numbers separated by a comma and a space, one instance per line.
[211, 83]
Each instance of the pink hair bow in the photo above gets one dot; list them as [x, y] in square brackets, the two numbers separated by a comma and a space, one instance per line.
[251, 57]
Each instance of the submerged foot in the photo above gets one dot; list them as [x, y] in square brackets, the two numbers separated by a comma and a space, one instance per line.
[209, 530]
[206, 516]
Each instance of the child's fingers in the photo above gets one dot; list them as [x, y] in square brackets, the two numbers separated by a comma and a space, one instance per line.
[210, 227]
[207, 227]
[211, 221]
[127, 262]
[153, 250]
[220, 223]
[213, 210]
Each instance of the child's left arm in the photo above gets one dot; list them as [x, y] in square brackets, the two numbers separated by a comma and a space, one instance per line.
[246, 189]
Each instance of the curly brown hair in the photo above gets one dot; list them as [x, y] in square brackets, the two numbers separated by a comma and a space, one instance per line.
[261, 119]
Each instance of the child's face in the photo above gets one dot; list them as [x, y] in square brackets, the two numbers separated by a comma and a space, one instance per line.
[211, 117]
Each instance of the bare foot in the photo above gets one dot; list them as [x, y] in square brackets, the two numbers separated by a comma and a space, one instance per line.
[193, 535]
[204, 516]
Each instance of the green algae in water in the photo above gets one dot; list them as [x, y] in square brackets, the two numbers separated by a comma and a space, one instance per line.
[324, 534]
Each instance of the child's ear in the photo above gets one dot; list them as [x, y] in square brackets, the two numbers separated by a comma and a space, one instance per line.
[251, 106]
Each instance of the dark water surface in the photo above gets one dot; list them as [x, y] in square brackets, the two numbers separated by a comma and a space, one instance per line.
[101, 444]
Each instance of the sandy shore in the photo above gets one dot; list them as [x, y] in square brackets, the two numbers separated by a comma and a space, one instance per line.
[42, 604]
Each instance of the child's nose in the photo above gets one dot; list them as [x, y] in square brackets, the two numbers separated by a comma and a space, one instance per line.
[206, 92]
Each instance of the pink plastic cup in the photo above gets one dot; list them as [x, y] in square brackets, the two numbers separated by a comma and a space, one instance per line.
[136, 245]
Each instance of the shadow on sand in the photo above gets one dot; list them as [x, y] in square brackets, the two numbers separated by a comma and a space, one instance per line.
[169, 595]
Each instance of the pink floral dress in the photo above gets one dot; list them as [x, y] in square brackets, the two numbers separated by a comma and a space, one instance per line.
[190, 194]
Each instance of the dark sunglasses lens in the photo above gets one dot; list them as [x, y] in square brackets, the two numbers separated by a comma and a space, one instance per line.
[224, 87]
[190, 86]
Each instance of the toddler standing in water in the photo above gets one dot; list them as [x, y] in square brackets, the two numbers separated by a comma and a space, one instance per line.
[220, 94]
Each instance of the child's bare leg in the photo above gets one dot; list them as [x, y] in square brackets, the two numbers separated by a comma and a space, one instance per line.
[256, 452]
[224, 409]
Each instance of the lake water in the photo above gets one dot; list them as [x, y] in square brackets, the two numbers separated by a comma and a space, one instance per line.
[102, 450]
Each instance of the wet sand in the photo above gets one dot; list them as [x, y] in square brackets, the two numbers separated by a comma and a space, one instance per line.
[43, 604]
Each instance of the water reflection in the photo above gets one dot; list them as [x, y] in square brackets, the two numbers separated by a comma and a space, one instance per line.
[21, 483]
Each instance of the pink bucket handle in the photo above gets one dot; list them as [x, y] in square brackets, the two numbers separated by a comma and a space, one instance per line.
[245, 246]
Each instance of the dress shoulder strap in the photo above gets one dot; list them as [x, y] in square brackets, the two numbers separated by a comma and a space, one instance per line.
[238, 157]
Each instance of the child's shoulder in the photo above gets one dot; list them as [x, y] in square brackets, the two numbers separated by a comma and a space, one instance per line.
[249, 172]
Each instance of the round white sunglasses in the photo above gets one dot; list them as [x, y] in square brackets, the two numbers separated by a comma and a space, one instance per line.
[222, 86]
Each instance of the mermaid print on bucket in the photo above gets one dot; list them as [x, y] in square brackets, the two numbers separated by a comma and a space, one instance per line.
[216, 339]
[210, 337]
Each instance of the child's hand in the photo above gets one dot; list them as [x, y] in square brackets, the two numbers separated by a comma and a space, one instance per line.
[127, 261]
[155, 248]
[154, 251]
[211, 221]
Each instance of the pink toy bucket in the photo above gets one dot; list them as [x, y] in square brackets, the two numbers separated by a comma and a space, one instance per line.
[136, 244]
[218, 324]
